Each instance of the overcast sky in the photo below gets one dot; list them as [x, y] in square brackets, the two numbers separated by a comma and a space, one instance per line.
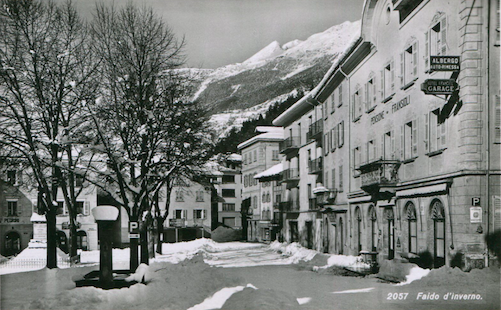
[221, 32]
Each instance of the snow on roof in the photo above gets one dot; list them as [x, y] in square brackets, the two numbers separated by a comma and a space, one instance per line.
[273, 170]
[235, 157]
[273, 135]
[35, 217]
[269, 129]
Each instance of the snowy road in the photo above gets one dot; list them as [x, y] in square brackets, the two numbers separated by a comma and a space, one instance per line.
[256, 256]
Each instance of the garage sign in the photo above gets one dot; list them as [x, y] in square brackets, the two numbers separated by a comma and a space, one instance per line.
[439, 87]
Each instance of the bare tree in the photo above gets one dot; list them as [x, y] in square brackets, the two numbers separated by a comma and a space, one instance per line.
[144, 122]
[45, 71]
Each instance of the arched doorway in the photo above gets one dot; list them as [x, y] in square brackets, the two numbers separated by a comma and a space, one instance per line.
[373, 228]
[358, 229]
[410, 214]
[62, 241]
[82, 240]
[12, 243]
[391, 232]
[341, 236]
[326, 235]
[438, 217]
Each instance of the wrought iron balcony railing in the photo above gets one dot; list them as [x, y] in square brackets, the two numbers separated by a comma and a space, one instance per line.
[289, 144]
[379, 173]
[315, 131]
[315, 166]
[290, 175]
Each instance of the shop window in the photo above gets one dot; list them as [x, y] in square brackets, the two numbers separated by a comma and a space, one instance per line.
[436, 40]
[435, 131]
[409, 65]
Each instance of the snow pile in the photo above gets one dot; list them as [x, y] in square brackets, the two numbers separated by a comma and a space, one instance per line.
[416, 273]
[141, 275]
[294, 251]
[217, 300]
[343, 261]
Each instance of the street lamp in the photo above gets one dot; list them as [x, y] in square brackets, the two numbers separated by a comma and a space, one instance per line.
[105, 217]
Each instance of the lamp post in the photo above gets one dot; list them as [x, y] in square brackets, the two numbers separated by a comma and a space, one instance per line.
[105, 217]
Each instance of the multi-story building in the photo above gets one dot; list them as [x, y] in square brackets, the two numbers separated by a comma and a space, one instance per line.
[226, 176]
[416, 99]
[258, 154]
[189, 212]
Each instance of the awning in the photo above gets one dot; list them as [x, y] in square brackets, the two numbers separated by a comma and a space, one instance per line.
[422, 190]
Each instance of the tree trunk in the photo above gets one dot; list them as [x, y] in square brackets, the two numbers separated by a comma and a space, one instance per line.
[160, 231]
[73, 237]
[151, 242]
[51, 238]
[143, 239]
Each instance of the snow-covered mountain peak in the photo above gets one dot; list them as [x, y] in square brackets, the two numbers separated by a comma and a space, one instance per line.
[291, 44]
[270, 51]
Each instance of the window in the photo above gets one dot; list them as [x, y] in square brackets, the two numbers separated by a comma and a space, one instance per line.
[412, 227]
[199, 214]
[263, 198]
[334, 135]
[333, 102]
[497, 121]
[226, 192]
[340, 187]
[388, 147]
[228, 179]
[388, 81]
[255, 155]
[246, 180]
[245, 159]
[12, 208]
[333, 185]
[254, 202]
[357, 157]
[409, 64]
[60, 208]
[340, 94]
[371, 151]
[370, 95]
[80, 207]
[274, 155]
[357, 104]
[435, 132]
[200, 195]
[180, 214]
[326, 143]
[409, 140]
[436, 41]
[11, 177]
[340, 131]
[250, 157]
[179, 195]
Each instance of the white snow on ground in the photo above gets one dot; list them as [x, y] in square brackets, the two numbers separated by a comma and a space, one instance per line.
[361, 290]
[416, 273]
[303, 300]
[217, 300]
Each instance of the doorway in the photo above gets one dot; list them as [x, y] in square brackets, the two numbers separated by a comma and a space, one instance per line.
[341, 236]
[438, 217]
[391, 232]
[12, 243]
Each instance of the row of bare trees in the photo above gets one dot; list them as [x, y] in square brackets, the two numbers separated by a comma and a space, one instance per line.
[99, 101]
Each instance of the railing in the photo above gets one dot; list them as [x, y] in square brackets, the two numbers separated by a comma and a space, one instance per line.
[326, 198]
[316, 130]
[315, 166]
[379, 173]
[30, 264]
[289, 144]
[291, 174]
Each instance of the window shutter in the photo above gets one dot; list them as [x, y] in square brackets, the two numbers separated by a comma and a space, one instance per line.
[496, 200]
[334, 138]
[392, 74]
[353, 107]
[497, 121]
[426, 51]
[86, 207]
[367, 99]
[415, 59]
[341, 134]
[393, 149]
[414, 138]
[402, 69]
[360, 96]
[402, 142]
[443, 36]
[443, 131]
[382, 84]
[326, 143]
[185, 214]
[381, 146]
[340, 88]
[426, 139]
[340, 178]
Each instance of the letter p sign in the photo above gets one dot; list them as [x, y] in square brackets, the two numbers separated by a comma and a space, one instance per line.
[475, 201]
[133, 226]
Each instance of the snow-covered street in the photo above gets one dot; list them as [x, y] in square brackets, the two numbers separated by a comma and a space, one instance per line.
[276, 276]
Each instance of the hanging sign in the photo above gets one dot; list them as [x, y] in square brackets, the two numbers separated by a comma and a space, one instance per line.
[475, 215]
[439, 87]
[445, 63]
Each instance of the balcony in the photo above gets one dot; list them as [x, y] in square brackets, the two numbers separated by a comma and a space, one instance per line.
[289, 144]
[315, 166]
[326, 197]
[379, 174]
[290, 175]
[315, 132]
[290, 206]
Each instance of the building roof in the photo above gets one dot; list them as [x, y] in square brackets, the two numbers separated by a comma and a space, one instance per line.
[272, 171]
[269, 133]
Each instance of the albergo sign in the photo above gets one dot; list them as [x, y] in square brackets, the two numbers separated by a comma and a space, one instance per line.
[444, 63]
[439, 87]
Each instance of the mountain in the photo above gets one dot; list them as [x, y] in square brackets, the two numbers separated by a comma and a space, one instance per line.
[237, 92]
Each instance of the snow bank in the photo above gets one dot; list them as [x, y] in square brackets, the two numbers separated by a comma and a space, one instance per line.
[294, 251]
[217, 300]
[416, 273]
